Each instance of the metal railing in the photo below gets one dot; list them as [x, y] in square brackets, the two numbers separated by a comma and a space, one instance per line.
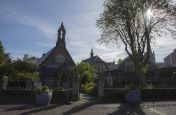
[18, 84]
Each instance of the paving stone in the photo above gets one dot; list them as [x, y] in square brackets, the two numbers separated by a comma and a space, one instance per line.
[82, 108]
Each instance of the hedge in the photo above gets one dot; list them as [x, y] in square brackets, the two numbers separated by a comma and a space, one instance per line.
[118, 95]
[158, 94]
[16, 96]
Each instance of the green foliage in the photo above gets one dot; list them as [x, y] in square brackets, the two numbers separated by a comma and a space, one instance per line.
[38, 90]
[145, 68]
[5, 67]
[3, 58]
[7, 70]
[130, 87]
[119, 61]
[22, 66]
[134, 87]
[85, 71]
[14, 72]
[88, 88]
[43, 89]
[34, 76]
[25, 70]
[18, 69]
[166, 73]
[87, 77]
[128, 22]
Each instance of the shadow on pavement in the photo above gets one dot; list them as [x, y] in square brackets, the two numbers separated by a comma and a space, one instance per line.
[29, 109]
[21, 107]
[79, 108]
[123, 109]
[128, 109]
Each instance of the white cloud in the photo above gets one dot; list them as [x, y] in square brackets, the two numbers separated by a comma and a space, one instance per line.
[28, 20]
[82, 34]
[163, 46]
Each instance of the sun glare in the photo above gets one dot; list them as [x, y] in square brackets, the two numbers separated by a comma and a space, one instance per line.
[149, 13]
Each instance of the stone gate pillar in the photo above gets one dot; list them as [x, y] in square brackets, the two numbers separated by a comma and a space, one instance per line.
[4, 82]
[75, 88]
[101, 86]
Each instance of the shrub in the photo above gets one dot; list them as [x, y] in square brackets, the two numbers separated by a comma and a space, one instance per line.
[88, 88]
[34, 76]
[38, 90]
[43, 89]
[130, 87]
[134, 87]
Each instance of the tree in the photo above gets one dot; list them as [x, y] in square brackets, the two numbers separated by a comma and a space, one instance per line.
[136, 23]
[7, 55]
[23, 66]
[5, 60]
[3, 57]
[87, 77]
[119, 61]
[85, 71]
[24, 70]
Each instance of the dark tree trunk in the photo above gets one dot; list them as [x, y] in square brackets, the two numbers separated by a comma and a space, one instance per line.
[140, 74]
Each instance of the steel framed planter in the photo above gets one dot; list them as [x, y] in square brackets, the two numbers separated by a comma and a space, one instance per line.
[133, 96]
[43, 98]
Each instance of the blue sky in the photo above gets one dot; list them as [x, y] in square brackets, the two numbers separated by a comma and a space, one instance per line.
[30, 26]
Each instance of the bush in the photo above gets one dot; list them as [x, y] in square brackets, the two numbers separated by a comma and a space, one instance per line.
[88, 88]
[158, 94]
[134, 87]
[28, 97]
[34, 76]
[131, 87]
[43, 89]
[117, 95]
[20, 69]
[17, 97]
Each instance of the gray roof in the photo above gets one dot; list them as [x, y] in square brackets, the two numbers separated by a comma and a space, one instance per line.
[94, 59]
[44, 56]
[112, 65]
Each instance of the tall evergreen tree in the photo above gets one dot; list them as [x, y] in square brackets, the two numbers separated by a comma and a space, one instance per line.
[3, 57]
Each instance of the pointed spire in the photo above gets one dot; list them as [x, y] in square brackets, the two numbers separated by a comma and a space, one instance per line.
[61, 31]
[62, 27]
[91, 53]
[61, 36]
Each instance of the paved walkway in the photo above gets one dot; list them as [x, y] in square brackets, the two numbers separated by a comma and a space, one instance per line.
[83, 109]
[87, 106]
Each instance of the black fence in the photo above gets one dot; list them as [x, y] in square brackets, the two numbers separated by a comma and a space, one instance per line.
[28, 97]
[18, 84]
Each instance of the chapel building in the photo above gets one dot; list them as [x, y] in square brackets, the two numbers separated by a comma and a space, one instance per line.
[55, 65]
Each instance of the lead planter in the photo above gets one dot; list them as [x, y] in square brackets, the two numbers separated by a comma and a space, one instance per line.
[133, 96]
[43, 98]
